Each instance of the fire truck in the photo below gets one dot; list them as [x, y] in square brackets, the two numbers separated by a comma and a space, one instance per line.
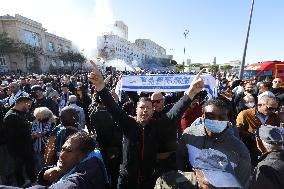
[264, 71]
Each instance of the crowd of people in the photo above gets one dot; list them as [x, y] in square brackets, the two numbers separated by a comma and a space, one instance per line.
[74, 131]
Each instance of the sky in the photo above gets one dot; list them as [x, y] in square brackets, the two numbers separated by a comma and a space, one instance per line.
[217, 28]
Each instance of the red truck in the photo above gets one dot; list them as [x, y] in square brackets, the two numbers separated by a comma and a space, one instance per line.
[263, 70]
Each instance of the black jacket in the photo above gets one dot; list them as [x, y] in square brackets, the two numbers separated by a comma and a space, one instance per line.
[277, 91]
[140, 143]
[269, 172]
[17, 131]
[109, 134]
[49, 103]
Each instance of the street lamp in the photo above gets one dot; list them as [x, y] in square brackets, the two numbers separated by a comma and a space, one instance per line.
[81, 65]
[246, 43]
[185, 33]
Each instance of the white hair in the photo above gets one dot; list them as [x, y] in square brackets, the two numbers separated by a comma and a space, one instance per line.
[43, 113]
[266, 94]
[72, 99]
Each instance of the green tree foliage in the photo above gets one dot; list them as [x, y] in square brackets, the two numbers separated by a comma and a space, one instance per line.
[179, 67]
[7, 45]
[30, 52]
[214, 68]
[73, 58]
[226, 67]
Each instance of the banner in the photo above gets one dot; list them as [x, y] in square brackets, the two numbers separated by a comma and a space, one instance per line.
[164, 83]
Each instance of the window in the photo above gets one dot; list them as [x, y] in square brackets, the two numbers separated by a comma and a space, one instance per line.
[50, 46]
[66, 49]
[60, 48]
[32, 38]
[2, 60]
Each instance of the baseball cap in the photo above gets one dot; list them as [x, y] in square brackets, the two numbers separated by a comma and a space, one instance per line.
[271, 134]
[216, 168]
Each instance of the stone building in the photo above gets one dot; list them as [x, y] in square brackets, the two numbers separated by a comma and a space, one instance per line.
[46, 45]
[143, 53]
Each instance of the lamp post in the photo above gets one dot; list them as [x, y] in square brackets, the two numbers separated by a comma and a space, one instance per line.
[81, 65]
[185, 33]
[246, 43]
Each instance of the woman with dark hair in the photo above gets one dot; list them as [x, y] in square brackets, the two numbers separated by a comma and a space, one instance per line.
[84, 101]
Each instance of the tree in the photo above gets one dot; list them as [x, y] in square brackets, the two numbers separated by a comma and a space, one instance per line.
[180, 67]
[27, 50]
[226, 67]
[81, 59]
[72, 57]
[214, 68]
[7, 45]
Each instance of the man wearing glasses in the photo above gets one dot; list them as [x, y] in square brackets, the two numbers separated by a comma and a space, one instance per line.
[248, 121]
[141, 133]
[158, 101]
[166, 160]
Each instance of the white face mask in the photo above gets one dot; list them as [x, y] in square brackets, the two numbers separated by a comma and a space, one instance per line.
[250, 104]
[215, 126]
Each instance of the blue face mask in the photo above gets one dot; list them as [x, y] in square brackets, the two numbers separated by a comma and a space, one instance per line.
[215, 126]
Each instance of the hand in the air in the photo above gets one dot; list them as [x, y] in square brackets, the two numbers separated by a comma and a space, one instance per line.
[96, 77]
[196, 85]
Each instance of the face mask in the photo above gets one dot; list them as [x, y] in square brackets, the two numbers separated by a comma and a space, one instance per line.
[215, 126]
[249, 105]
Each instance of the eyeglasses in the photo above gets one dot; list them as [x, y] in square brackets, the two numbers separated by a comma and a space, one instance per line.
[269, 107]
[156, 101]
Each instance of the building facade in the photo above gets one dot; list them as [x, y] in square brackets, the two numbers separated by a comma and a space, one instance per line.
[143, 53]
[46, 45]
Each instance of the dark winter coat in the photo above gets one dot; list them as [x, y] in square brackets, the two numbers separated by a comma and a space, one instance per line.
[269, 172]
[140, 143]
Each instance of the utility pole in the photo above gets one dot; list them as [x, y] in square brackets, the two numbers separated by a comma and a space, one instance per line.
[246, 43]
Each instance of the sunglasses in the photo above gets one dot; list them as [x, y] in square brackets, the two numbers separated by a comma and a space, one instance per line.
[269, 107]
